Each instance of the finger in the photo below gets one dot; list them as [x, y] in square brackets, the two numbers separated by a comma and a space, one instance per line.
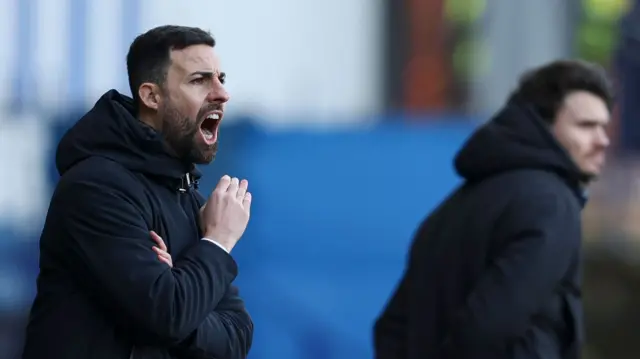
[158, 240]
[242, 189]
[224, 183]
[233, 186]
[165, 260]
[162, 253]
[241, 193]
[244, 184]
[246, 202]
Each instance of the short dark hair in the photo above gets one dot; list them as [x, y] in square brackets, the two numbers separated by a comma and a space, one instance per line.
[149, 54]
[546, 87]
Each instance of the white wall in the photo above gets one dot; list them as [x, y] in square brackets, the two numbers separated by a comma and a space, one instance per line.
[24, 159]
[284, 58]
[518, 35]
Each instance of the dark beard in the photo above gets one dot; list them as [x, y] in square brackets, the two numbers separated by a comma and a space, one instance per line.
[588, 178]
[182, 135]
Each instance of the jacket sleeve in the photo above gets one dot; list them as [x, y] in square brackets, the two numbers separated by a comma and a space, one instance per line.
[109, 249]
[541, 237]
[226, 333]
[389, 332]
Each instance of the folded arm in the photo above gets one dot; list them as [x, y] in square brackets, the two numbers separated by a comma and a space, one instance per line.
[542, 234]
[110, 253]
[226, 333]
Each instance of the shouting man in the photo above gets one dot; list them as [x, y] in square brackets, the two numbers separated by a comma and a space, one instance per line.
[128, 184]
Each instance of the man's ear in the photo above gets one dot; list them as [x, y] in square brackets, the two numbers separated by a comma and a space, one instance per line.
[149, 94]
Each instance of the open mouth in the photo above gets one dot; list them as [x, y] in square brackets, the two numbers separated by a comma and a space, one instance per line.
[209, 128]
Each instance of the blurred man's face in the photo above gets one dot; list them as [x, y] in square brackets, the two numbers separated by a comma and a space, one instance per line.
[580, 128]
[192, 105]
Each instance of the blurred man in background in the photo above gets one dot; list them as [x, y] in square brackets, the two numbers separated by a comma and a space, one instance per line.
[127, 179]
[494, 272]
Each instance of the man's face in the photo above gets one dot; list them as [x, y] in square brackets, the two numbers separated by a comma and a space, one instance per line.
[580, 127]
[192, 105]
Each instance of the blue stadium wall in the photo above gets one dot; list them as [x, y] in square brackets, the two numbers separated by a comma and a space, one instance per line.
[332, 218]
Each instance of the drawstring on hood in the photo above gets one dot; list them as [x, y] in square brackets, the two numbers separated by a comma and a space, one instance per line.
[111, 130]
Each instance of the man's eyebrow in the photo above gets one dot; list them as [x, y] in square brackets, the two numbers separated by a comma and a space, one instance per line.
[207, 74]
[591, 120]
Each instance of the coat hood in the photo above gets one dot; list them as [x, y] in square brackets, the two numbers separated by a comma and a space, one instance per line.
[111, 130]
[515, 138]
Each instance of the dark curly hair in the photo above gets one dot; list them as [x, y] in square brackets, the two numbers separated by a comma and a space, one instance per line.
[546, 87]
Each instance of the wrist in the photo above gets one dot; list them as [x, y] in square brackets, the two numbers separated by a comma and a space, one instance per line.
[221, 239]
[220, 245]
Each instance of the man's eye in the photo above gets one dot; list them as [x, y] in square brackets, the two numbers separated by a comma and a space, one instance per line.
[589, 124]
[198, 81]
[222, 79]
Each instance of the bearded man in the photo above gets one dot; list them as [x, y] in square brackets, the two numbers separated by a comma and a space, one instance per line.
[134, 262]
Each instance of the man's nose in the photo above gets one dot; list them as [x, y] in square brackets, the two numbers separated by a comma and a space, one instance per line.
[602, 138]
[218, 94]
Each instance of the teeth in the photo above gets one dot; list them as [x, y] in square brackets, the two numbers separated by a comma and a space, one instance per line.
[207, 134]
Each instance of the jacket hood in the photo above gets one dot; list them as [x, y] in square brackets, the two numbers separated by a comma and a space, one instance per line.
[515, 138]
[111, 130]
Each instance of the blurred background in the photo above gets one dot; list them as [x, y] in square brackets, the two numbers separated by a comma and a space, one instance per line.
[345, 116]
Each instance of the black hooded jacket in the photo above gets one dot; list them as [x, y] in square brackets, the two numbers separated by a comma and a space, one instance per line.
[494, 271]
[102, 292]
